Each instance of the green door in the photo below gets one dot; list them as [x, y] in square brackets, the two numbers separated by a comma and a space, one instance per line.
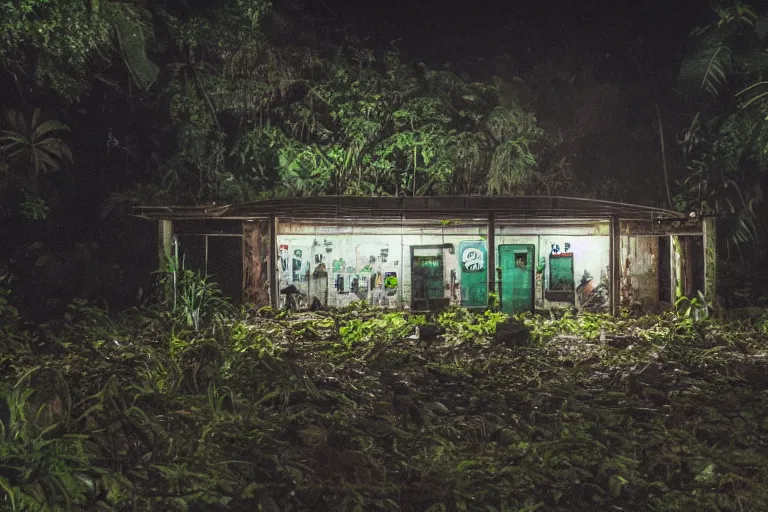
[517, 277]
[561, 272]
[473, 259]
[427, 287]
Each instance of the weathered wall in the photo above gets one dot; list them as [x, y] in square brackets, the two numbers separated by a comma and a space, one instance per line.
[640, 271]
[688, 268]
[363, 254]
[375, 258]
[591, 266]
[255, 263]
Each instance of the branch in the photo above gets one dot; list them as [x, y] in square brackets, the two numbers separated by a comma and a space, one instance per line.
[112, 84]
[206, 97]
[664, 158]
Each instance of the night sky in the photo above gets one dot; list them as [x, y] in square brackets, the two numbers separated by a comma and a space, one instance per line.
[612, 34]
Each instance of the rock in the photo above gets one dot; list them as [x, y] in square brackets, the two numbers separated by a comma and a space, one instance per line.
[652, 375]
[511, 333]
[618, 340]
[429, 332]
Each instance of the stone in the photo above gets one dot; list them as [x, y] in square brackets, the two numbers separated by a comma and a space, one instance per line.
[512, 333]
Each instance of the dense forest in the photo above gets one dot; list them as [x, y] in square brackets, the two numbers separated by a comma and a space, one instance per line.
[115, 398]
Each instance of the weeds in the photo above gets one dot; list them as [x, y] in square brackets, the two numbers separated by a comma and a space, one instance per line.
[343, 410]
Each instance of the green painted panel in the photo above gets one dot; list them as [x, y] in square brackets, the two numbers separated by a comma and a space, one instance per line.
[517, 262]
[473, 260]
[427, 287]
[561, 272]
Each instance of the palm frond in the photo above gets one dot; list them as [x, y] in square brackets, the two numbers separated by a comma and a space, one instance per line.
[716, 73]
[34, 148]
[133, 36]
[749, 89]
[46, 127]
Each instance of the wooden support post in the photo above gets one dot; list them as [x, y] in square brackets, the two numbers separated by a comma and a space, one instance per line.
[492, 253]
[710, 261]
[674, 275]
[677, 276]
[274, 293]
[614, 248]
[164, 241]
[165, 250]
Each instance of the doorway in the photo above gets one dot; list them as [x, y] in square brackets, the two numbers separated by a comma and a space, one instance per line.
[427, 276]
[518, 264]
[473, 274]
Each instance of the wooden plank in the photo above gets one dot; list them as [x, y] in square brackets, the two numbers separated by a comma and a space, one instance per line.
[641, 272]
[274, 293]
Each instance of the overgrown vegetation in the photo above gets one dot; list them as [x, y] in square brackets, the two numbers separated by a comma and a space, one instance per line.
[188, 404]
[342, 410]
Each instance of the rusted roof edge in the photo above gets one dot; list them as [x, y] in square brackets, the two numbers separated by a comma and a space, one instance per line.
[410, 207]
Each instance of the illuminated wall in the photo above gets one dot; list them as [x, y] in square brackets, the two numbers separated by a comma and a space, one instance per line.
[589, 248]
[342, 264]
[370, 263]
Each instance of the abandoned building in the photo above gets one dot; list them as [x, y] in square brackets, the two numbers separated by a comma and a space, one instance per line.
[425, 253]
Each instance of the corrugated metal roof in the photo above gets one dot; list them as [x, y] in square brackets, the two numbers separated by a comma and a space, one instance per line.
[399, 208]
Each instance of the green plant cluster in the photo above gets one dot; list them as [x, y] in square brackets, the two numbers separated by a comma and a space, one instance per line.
[343, 410]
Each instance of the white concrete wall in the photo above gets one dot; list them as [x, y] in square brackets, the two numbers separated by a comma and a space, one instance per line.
[590, 254]
[374, 249]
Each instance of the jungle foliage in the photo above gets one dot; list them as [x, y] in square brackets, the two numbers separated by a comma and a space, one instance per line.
[237, 100]
[341, 410]
[726, 143]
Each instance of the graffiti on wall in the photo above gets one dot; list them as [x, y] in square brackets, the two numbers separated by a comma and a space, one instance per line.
[299, 266]
[336, 272]
[473, 259]
[341, 270]
[285, 271]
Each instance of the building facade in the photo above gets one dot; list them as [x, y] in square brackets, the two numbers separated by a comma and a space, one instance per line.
[425, 253]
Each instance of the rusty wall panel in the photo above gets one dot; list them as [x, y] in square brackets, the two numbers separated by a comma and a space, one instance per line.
[688, 265]
[649, 227]
[640, 272]
[256, 246]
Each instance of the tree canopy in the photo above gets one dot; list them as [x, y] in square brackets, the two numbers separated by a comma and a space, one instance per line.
[237, 100]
